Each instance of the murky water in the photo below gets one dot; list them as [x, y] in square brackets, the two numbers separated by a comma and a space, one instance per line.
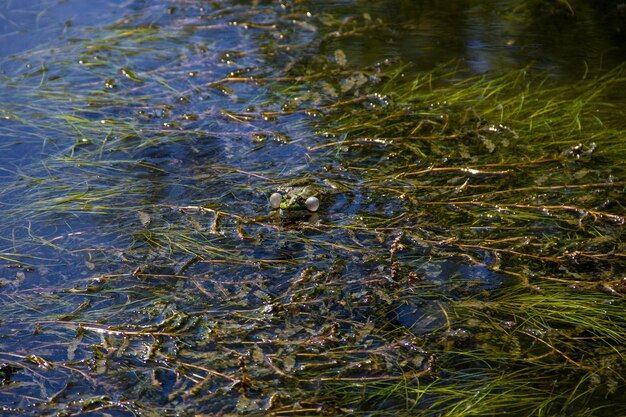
[142, 269]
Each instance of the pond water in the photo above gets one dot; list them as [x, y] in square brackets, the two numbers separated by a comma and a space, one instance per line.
[467, 256]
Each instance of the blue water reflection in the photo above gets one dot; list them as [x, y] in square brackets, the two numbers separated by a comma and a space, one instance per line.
[27, 24]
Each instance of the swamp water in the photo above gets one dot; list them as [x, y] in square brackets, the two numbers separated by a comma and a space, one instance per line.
[470, 262]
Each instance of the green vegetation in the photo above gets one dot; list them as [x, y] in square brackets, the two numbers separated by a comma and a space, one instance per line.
[473, 266]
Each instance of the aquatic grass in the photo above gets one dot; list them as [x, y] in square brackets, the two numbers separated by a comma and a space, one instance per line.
[474, 383]
[473, 391]
[547, 316]
[563, 309]
[516, 100]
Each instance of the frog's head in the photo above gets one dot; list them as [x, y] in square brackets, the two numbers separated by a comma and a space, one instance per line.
[299, 200]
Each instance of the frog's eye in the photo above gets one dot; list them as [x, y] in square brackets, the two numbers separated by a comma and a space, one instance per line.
[312, 203]
[275, 200]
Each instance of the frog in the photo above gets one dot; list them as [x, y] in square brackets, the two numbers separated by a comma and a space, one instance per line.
[299, 198]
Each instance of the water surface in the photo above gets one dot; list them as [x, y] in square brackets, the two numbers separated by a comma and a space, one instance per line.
[143, 272]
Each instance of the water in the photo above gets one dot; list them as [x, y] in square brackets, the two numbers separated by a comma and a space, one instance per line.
[140, 141]
[485, 36]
